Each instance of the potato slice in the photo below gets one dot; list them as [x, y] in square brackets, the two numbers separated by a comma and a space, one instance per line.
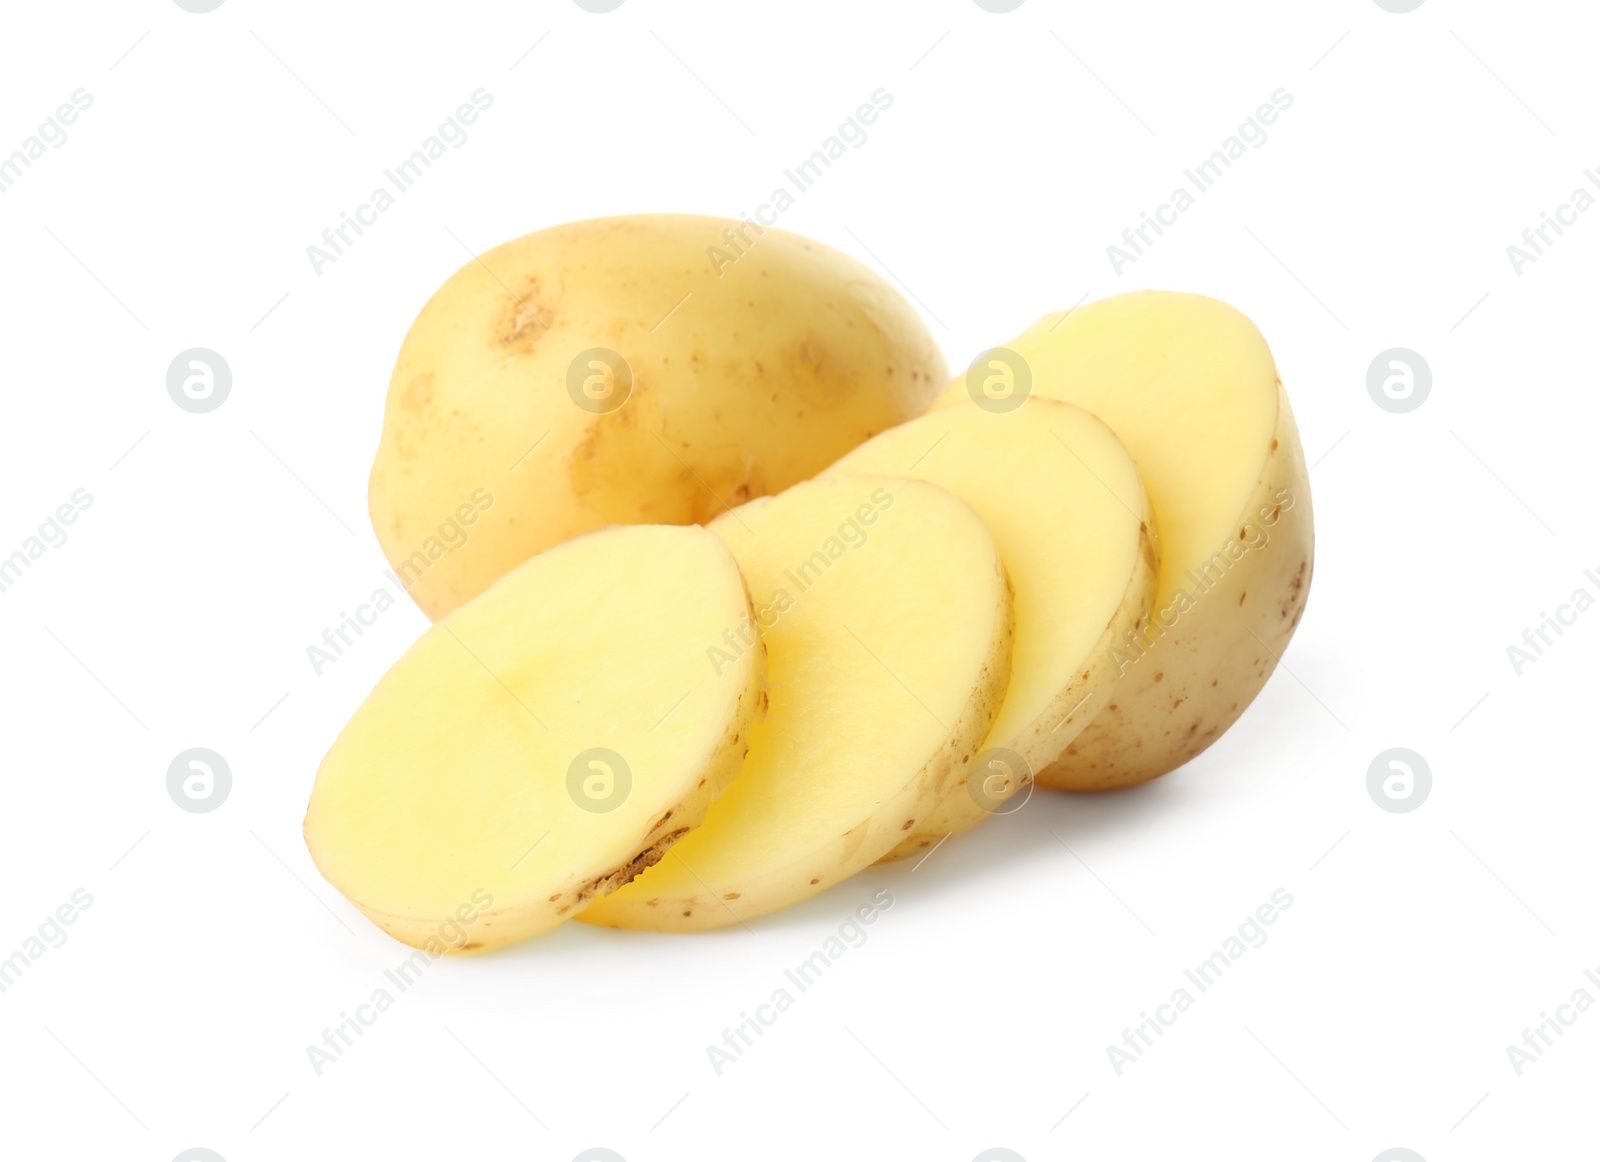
[544, 743]
[1062, 497]
[1189, 385]
[644, 369]
[884, 609]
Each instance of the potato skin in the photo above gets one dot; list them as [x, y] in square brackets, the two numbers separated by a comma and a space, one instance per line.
[506, 910]
[1183, 688]
[1072, 711]
[756, 358]
[921, 794]
[497, 927]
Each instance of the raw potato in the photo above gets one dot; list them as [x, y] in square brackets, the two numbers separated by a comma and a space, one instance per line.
[1062, 497]
[462, 797]
[886, 615]
[1189, 385]
[756, 358]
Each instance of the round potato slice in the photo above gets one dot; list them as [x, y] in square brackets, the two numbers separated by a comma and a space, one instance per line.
[1062, 497]
[887, 620]
[543, 744]
[1189, 385]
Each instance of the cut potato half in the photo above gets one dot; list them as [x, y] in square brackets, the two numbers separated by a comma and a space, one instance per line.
[1190, 387]
[1062, 497]
[542, 744]
[887, 619]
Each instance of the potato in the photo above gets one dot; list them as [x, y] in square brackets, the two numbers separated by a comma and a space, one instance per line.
[651, 369]
[1189, 385]
[543, 744]
[884, 608]
[1063, 500]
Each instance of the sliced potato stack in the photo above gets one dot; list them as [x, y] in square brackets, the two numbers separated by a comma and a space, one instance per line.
[887, 620]
[1063, 500]
[1189, 385]
[544, 743]
[681, 728]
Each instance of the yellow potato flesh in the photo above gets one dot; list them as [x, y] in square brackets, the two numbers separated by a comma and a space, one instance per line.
[1189, 386]
[482, 773]
[884, 609]
[751, 364]
[1063, 499]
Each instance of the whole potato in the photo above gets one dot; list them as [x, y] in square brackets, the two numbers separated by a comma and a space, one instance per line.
[655, 368]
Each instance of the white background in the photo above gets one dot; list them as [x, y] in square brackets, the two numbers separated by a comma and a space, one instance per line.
[978, 1013]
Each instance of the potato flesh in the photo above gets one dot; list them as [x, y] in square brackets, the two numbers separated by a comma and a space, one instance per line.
[747, 377]
[452, 779]
[1063, 500]
[884, 674]
[1190, 387]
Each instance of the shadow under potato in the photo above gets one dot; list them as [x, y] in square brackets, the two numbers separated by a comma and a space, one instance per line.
[1040, 831]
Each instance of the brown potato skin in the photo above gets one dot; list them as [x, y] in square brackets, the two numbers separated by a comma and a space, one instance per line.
[1072, 711]
[753, 365]
[1183, 689]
